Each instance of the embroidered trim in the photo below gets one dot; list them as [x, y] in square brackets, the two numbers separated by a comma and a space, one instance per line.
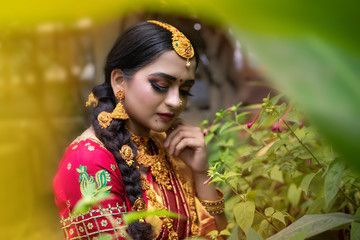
[92, 222]
[84, 138]
[120, 209]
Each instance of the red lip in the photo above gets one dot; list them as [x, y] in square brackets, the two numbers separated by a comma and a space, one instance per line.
[166, 116]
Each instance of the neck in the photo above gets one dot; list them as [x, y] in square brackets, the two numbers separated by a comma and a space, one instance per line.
[137, 130]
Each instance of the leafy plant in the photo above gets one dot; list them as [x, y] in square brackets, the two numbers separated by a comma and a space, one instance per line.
[275, 170]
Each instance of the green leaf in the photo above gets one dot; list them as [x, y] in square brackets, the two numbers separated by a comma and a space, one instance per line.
[242, 116]
[250, 196]
[244, 214]
[300, 236]
[279, 216]
[225, 232]
[231, 175]
[225, 126]
[134, 216]
[253, 235]
[275, 99]
[209, 137]
[213, 233]
[316, 206]
[269, 211]
[314, 224]
[104, 236]
[276, 174]
[332, 181]
[294, 194]
[355, 228]
[275, 146]
[306, 182]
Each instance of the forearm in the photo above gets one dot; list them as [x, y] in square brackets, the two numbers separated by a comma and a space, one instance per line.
[208, 192]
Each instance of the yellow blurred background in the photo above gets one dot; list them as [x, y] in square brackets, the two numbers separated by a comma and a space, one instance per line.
[48, 68]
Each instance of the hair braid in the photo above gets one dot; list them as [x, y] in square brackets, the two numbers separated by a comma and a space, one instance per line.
[114, 137]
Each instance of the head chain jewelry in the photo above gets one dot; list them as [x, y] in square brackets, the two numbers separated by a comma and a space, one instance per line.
[180, 43]
[91, 100]
[127, 154]
[105, 118]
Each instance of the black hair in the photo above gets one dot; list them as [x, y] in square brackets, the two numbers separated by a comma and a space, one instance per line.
[137, 47]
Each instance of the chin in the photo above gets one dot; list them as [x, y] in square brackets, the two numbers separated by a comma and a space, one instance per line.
[162, 127]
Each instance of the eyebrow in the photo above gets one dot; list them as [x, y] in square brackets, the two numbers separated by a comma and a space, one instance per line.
[164, 75]
[167, 76]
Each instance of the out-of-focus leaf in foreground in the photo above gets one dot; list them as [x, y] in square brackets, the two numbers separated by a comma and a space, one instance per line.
[134, 216]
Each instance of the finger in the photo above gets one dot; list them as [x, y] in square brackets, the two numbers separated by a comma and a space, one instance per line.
[180, 126]
[198, 140]
[176, 123]
[183, 131]
[176, 138]
[186, 143]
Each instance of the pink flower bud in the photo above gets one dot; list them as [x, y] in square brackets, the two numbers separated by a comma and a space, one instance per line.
[277, 128]
[207, 181]
[252, 123]
[206, 130]
[301, 124]
[268, 139]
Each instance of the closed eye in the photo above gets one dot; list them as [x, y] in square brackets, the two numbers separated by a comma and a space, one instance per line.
[158, 88]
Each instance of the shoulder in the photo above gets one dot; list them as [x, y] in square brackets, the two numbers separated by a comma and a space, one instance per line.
[86, 153]
[86, 161]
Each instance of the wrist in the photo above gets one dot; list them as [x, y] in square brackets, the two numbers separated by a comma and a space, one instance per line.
[201, 173]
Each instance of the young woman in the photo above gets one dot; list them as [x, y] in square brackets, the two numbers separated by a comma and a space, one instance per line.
[137, 149]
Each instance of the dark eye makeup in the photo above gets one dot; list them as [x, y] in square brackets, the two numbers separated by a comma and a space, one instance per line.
[162, 89]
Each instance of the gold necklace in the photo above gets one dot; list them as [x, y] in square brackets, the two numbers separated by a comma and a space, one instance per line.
[159, 170]
[155, 161]
[152, 197]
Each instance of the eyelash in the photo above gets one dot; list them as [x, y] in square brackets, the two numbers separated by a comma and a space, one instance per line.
[164, 89]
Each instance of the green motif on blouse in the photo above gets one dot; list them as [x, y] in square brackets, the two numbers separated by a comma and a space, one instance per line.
[87, 183]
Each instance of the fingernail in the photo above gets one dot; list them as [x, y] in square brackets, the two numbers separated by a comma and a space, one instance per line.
[165, 143]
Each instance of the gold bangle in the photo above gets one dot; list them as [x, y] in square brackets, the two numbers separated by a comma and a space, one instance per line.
[214, 207]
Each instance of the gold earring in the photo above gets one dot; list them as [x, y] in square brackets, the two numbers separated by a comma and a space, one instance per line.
[181, 102]
[120, 94]
[119, 111]
[105, 118]
[127, 154]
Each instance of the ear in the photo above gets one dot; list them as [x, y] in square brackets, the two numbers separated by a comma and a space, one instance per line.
[117, 80]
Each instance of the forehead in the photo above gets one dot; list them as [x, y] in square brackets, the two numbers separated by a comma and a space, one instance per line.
[171, 63]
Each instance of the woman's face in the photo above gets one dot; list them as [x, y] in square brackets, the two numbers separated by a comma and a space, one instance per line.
[158, 93]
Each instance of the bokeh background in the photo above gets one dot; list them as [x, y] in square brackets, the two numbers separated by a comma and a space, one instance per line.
[52, 54]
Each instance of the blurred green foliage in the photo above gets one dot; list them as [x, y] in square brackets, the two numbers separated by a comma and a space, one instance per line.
[282, 177]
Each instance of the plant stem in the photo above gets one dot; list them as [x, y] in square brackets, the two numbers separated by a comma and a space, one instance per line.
[302, 144]
[349, 199]
[264, 217]
[256, 210]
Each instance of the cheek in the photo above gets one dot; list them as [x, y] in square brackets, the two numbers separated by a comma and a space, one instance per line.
[143, 99]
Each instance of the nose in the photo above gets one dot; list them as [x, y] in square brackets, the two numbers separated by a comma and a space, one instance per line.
[173, 98]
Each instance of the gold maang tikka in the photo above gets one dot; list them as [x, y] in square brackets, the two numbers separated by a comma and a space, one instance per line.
[180, 42]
